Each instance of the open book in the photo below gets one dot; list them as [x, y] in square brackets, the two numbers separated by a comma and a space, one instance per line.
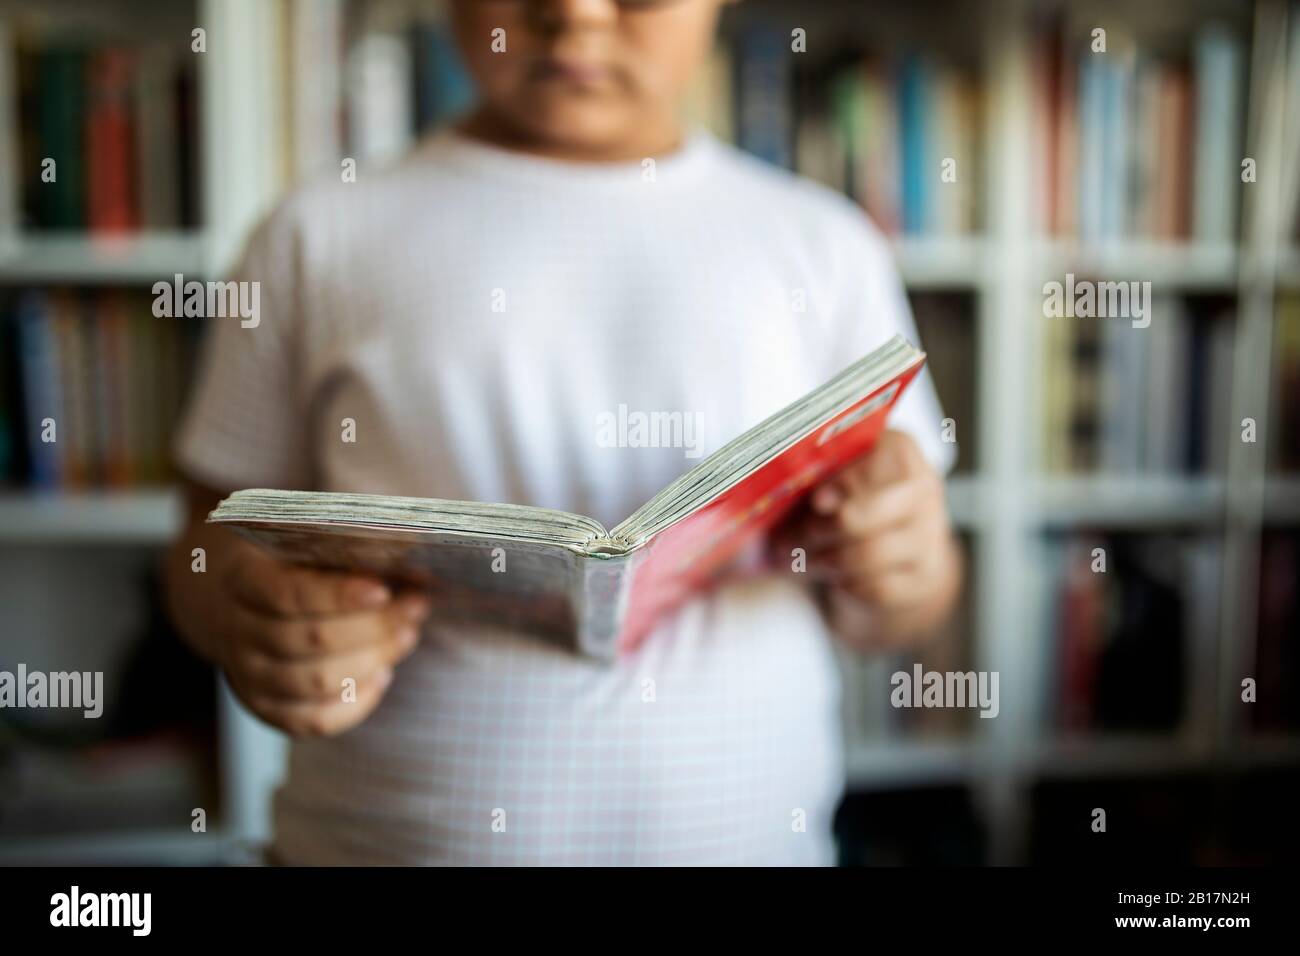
[564, 576]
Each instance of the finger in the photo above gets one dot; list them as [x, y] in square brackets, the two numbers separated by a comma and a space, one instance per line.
[308, 637]
[812, 533]
[827, 497]
[285, 591]
[877, 555]
[887, 506]
[310, 718]
[897, 589]
[323, 678]
[830, 496]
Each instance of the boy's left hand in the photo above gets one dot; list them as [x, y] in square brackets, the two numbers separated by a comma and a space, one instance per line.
[879, 532]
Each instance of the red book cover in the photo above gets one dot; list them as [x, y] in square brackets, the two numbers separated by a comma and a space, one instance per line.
[688, 555]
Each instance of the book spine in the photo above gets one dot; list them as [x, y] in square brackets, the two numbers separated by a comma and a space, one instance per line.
[111, 205]
[914, 105]
[61, 126]
[317, 84]
[158, 157]
[10, 139]
[443, 87]
[600, 598]
[42, 390]
[1218, 102]
[764, 121]
[379, 97]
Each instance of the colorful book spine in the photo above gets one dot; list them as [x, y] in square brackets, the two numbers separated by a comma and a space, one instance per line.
[42, 391]
[111, 201]
[61, 130]
[764, 123]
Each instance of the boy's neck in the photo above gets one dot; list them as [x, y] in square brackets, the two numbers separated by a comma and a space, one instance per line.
[653, 140]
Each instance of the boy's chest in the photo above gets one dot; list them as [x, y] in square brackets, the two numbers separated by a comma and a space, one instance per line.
[576, 370]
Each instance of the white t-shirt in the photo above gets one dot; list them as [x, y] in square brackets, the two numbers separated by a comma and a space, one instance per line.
[476, 312]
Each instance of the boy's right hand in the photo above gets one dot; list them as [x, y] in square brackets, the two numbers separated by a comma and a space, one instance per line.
[294, 636]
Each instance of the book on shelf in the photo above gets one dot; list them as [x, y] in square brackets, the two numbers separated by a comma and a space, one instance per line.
[1125, 400]
[1276, 666]
[92, 391]
[119, 124]
[763, 108]
[897, 135]
[1136, 625]
[1291, 140]
[111, 206]
[366, 86]
[10, 155]
[1137, 142]
[158, 128]
[565, 576]
[946, 323]
[1285, 434]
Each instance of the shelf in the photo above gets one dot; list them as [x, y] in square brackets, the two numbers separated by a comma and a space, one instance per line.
[1188, 266]
[145, 258]
[1137, 501]
[882, 766]
[1118, 755]
[1143, 754]
[898, 764]
[166, 847]
[939, 263]
[118, 517]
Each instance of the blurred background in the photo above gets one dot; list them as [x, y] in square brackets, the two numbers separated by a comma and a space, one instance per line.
[1120, 689]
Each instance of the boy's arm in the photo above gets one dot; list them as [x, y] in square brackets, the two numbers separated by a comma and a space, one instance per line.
[308, 651]
[194, 600]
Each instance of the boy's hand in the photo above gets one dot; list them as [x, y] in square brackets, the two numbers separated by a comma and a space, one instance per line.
[292, 636]
[879, 532]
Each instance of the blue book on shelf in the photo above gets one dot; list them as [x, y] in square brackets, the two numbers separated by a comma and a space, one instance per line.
[918, 168]
[1217, 61]
[443, 88]
[1117, 119]
[764, 124]
[38, 359]
[1092, 148]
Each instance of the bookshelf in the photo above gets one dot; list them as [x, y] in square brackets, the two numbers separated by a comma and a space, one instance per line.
[1005, 504]
[133, 261]
[236, 118]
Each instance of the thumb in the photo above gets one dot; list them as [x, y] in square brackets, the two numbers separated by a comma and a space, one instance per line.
[890, 461]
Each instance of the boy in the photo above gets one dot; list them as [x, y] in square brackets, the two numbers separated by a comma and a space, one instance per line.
[672, 292]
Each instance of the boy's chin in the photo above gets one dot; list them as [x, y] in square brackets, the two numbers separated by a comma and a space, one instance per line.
[589, 131]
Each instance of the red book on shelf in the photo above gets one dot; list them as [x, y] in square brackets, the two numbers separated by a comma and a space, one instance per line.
[1081, 623]
[110, 148]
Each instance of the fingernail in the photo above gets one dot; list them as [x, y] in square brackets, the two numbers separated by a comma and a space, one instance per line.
[417, 609]
[408, 636]
[384, 678]
[825, 499]
[369, 593]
